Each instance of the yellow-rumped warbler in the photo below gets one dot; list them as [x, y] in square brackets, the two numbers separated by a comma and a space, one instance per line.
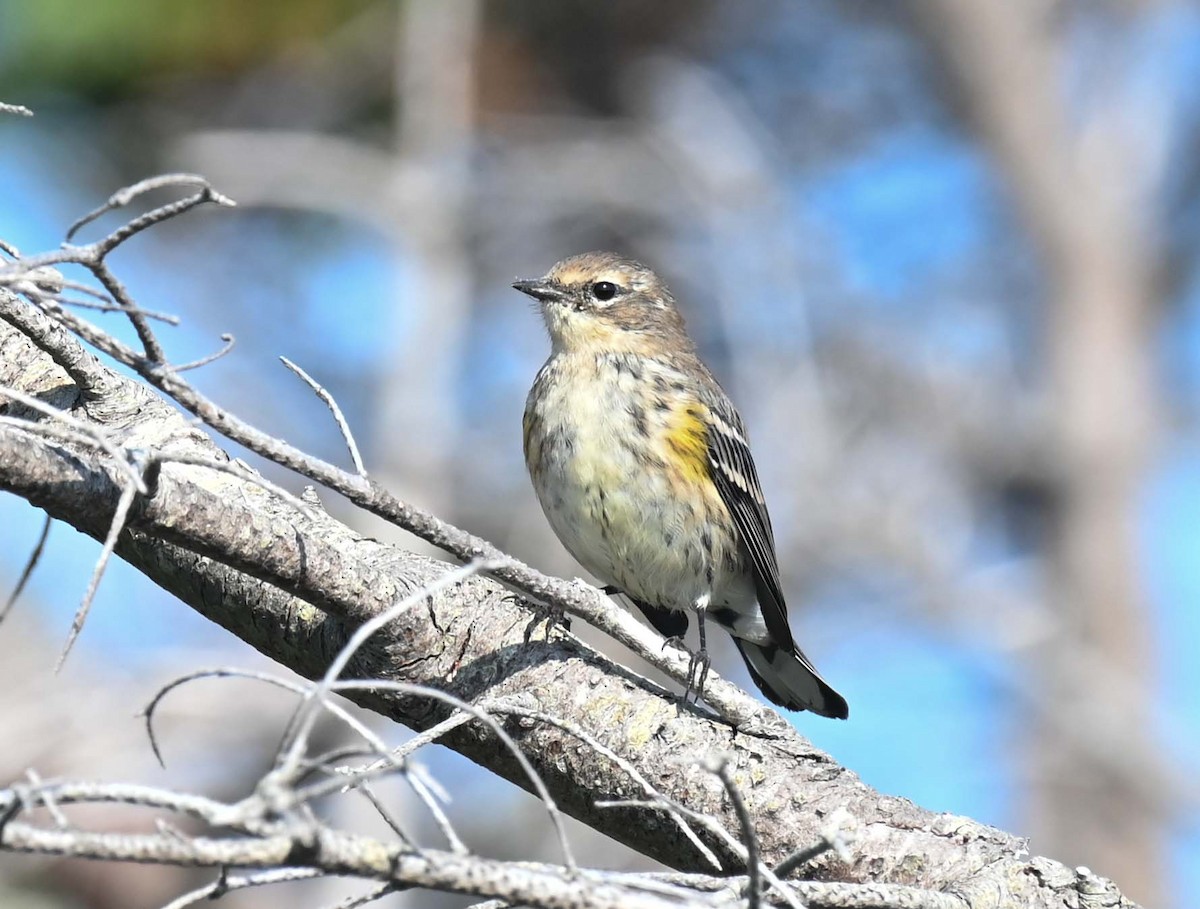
[641, 464]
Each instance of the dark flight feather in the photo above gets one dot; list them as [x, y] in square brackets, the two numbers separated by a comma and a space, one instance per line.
[737, 482]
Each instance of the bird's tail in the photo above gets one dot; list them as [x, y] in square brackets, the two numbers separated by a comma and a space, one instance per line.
[788, 679]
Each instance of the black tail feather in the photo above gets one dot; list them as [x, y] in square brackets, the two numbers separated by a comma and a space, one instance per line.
[789, 680]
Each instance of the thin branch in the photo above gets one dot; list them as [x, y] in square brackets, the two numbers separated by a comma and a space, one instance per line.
[720, 766]
[148, 711]
[93, 256]
[30, 565]
[332, 404]
[339, 712]
[126, 195]
[229, 341]
[101, 297]
[116, 290]
[524, 883]
[352, 776]
[735, 845]
[71, 792]
[367, 791]
[316, 697]
[230, 882]
[349, 778]
[100, 301]
[833, 836]
[535, 779]
[45, 794]
[128, 494]
[573, 729]
[431, 801]
[365, 899]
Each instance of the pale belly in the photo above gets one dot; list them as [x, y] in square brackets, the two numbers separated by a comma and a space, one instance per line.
[610, 493]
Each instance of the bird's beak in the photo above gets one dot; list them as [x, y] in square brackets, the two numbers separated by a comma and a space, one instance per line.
[540, 289]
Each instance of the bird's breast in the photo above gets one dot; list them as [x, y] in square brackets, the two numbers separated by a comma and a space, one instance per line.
[618, 456]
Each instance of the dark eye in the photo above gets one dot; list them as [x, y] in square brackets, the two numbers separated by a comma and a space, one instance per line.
[604, 290]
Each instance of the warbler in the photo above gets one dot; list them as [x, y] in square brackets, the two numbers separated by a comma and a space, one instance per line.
[641, 464]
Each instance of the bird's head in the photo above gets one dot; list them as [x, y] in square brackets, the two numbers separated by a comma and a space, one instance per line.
[603, 302]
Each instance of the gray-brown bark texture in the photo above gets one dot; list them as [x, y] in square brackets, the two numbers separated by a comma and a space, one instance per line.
[294, 585]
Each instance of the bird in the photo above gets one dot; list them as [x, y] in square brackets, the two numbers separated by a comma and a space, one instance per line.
[641, 464]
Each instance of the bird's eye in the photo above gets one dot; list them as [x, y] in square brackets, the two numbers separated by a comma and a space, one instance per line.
[604, 290]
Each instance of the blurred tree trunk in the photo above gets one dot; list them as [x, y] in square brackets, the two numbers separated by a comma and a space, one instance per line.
[435, 110]
[1084, 194]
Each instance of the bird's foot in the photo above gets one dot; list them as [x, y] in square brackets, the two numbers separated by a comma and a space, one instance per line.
[549, 616]
[698, 665]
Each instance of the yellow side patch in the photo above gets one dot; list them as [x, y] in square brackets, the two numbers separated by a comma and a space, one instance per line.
[686, 439]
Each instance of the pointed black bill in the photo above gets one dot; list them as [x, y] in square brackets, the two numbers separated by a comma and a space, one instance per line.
[539, 289]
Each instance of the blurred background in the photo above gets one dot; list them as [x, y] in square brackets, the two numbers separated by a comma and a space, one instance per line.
[943, 255]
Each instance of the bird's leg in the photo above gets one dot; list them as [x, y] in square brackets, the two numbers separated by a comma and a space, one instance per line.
[699, 661]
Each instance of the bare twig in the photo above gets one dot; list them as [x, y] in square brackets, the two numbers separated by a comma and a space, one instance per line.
[525, 883]
[714, 825]
[535, 779]
[128, 494]
[365, 899]
[229, 882]
[573, 729]
[367, 791]
[101, 297]
[116, 290]
[124, 196]
[349, 778]
[720, 766]
[224, 673]
[332, 404]
[430, 799]
[93, 256]
[833, 836]
[30, 565]
[45, 795]
[100, 302]
[229, 342]
[316, 697]
[148, 711]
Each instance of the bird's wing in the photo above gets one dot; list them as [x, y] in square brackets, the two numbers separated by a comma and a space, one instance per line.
[670, 623]
[736, 480]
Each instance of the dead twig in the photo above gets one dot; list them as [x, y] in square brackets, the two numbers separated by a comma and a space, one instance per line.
[229, 342]
[332, 404]
[720, 766]
[27, 571]
[128, 494]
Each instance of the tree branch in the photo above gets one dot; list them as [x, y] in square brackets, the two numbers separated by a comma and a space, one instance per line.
[296, 585]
